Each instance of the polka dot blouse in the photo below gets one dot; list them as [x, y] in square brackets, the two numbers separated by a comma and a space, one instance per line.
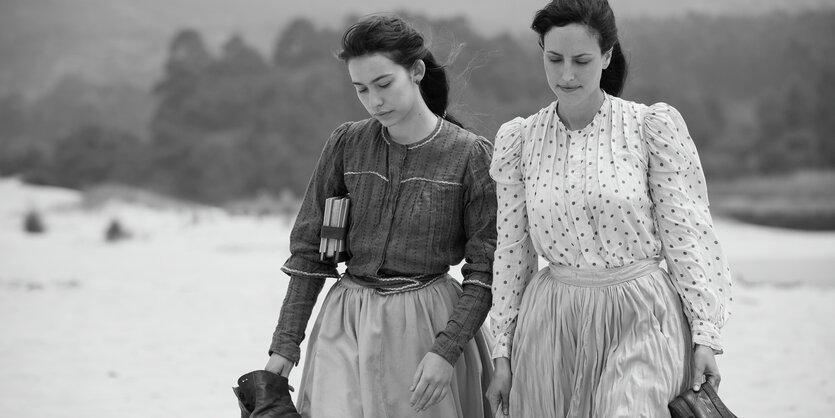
[627, 187]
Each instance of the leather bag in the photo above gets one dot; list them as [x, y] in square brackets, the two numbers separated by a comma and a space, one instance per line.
[702, 404]
[263, 394]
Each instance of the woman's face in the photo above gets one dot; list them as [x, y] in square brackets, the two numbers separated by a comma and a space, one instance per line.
[388, 91]
[573, 62]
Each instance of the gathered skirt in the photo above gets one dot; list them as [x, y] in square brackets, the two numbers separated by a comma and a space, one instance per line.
[606, 344]
[365, 348]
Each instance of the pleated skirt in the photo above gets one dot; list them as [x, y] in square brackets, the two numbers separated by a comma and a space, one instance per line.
[599, 344]
[365, 348]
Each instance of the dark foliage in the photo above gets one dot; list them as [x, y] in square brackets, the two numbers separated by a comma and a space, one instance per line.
[33, 224]
[756, 93]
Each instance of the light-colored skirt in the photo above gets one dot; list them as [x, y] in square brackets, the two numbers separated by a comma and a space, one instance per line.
[599, 344]
[365, 348]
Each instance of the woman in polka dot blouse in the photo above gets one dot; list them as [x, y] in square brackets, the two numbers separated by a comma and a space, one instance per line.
[605, 190]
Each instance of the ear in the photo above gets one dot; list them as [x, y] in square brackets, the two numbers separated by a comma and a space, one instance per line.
[607, 58]
[418, 71]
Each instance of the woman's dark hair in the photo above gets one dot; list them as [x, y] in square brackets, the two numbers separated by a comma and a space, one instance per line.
[596, 15]
[401, 43]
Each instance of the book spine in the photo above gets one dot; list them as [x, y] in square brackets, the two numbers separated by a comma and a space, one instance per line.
[326, 221]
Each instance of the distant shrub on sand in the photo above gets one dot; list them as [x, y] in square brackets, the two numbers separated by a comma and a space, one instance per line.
[115, 232]
[32, 223]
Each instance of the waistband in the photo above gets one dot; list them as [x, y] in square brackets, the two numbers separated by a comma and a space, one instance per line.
[585, 277]
[392, 285]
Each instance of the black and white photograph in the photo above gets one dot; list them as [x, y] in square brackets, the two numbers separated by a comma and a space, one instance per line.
[417, 209]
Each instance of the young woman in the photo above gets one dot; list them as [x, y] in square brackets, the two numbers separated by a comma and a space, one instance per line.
[604, 189]
[396, 336]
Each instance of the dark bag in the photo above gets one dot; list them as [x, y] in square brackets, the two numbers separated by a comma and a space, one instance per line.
[263, 394]
[702, 404]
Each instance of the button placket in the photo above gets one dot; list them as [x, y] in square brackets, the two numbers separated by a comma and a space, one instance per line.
[580, 142]
[395, 159]
[587, 233]
[576, 213]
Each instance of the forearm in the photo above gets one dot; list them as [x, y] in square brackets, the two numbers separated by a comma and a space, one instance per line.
[466, 319]
[295, 313]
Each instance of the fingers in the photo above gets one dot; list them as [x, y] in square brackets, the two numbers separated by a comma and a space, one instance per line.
[714, 379]
[439, 394]
[418, 392]
[494, 399]
[505, 402]
[698, 379]
[705, 368]
[698, 375]
[416, 379]
[423, 400]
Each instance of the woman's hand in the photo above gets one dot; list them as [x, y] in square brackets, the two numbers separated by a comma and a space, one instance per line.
[279, 365]
[498, 393]
[431, 382]
[705, 368]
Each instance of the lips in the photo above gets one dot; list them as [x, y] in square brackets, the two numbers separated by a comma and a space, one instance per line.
[568, 89]
[381, 114]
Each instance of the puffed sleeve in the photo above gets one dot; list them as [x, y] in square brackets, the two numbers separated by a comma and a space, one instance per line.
[515, 260]
[327, 181]
[695, 260]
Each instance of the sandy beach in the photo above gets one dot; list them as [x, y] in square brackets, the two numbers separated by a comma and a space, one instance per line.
[162, 324]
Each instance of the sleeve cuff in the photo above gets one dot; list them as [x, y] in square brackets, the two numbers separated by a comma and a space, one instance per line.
[707, 333]
[447, 348]
[286, 349]
[502, 347]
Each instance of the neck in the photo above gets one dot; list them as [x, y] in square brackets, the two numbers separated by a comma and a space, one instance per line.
[419, 124]
[579, 115]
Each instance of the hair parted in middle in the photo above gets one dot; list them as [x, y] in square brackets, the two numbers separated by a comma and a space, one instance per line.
[598, 16]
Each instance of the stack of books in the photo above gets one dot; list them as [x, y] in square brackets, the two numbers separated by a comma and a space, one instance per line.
[334, 235]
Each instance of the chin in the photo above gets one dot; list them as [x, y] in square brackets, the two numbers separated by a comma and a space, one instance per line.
[388, 123]
[574, 97]
[389, 120]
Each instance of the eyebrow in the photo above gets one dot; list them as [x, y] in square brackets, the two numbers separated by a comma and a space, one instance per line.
[576, 56]
[357, 83]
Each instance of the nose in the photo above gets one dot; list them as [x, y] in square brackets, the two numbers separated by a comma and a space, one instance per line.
[375, 101]
[568, 73]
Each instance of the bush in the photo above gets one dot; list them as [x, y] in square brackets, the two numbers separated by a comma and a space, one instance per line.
[115, 232]
[33, 224]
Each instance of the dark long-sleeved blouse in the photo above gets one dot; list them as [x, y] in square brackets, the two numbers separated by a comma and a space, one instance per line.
[416, 210]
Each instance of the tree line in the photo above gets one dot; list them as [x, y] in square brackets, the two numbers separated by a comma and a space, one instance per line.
[224, 125]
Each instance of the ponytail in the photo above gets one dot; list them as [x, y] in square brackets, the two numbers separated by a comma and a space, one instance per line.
[614, 76]
[434, 87]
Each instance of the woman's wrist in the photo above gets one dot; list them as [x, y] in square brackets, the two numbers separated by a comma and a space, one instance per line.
[501, 363]
[706, 348]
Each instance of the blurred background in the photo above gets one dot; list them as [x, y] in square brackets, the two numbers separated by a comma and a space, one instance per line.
[152, 155]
